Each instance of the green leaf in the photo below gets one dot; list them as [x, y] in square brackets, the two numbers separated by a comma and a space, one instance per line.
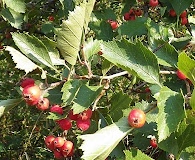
[171, 112]
[90, 48]
[85, 97]
[17, 5]
[22, 62]
[135, 154]
[187, 66]
[13, 17]
[134, 28]
[70, 90]
[53, 52]
[167, 55]
[33, 48]
[54, 116]
[106, 66]
[104, 140]
[6, 105]
[180, 5]
[192, 100]
[133, 58]
[119, 102]
[69, 36]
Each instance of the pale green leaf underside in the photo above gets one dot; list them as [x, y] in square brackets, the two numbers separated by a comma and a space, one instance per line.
[104, 140]
[17, 5]
[170, 104]
[6, 105]
[13, 17]
[33, 48]
[133, 58]
[22, 62]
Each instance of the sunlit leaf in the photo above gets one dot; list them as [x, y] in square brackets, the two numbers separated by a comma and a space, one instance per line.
[17, 5]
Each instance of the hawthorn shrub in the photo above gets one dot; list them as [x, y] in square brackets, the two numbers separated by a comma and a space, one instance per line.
[96, 80]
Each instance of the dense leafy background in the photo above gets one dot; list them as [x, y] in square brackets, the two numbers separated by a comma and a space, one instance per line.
[80, 62]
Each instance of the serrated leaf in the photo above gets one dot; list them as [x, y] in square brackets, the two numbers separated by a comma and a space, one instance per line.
[134, 58]
[22, 62]
[85, 97]
[53, 52]
[119, 102]
[171, 112]
[6, 105]
[33, 48]
[69, 36]
[187, 66]
[70, 90]
[13, 17]
[17, 5]
[104, 140]
[180, 5]
[90, 48]
[134, 28]
[135, 154]
[167, 55]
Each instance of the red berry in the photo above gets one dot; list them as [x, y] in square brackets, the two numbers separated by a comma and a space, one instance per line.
[113, 24]
[153, 142]
[64, 124]
[31, 94]
[57, 109]
[58, 142]
[126, 16]
[27, 82]
[180, 75]
[49, 142]
[136, 118]
[153, 3]
[83, 125]
[183, 14]
[184, 21]
[147, 90]
[73, 116]
[51, 18]
[138, 12]
[85, 114]
[132, 17]
[43, 104]
[67, 149]
[58, 154]
[172, 13]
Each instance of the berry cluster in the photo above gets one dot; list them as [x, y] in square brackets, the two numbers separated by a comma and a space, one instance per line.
[32, 94]
[183, 16]
[60, 147]
[131, 15]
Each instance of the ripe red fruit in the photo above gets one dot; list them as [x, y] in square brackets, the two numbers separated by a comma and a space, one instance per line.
[49, 142]
[113, 24]
[64, 124]
[172, 13]
[43, 104]
[73, 116]
[31, 94]
[57, 109]
[126, 16]
[83, 125]
[136, 118]
[27, 82]
[180, 75]
[153, 3]
[67, 149]
[153, 142]
[86, 114]
[58, 154]
[51, 18]
[184, 21]
[138, 12]
[58, 142]
[183, 14]
[147, 90]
